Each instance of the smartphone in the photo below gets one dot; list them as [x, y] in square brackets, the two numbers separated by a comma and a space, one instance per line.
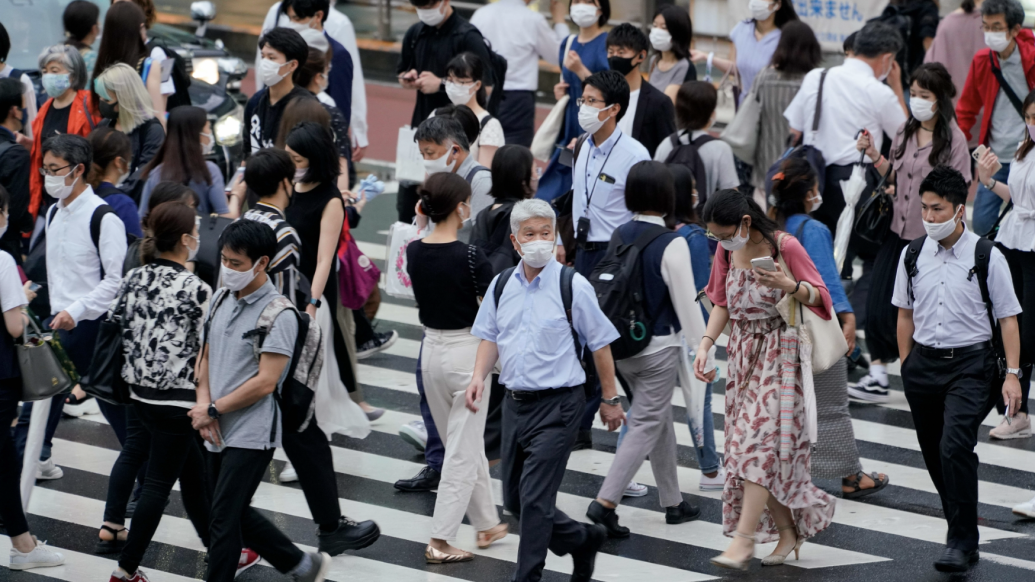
[764, 263]
[237, 177]
[35, 287]
[978, 152]
[566, 157]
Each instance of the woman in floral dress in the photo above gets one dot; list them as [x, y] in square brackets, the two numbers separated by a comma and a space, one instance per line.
[768, 494]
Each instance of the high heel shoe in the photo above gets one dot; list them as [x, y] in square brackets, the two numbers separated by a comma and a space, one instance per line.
[724, 562]
[433, 556]
[775, 559]
[485, 538]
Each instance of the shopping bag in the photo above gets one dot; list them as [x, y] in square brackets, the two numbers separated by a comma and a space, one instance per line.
[397, 278]
[357, 274]
[409, 163]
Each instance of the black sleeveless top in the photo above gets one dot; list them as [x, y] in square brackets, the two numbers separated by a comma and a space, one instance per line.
[304, 213]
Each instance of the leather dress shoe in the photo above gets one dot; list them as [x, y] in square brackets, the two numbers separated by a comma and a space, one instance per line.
[954, 560]
[583, 441]
[601, 515]
[585, 557]
[681, 513]
[426, 480]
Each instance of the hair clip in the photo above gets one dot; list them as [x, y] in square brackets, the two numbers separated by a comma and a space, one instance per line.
[778, 176]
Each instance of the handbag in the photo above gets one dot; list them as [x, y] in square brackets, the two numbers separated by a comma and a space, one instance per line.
[875, 214]
[409, 163]
[104, 378]
[357, 274]
[42, 374]
[728, 92]
[742, 133]
[397, 279]
[550, 131]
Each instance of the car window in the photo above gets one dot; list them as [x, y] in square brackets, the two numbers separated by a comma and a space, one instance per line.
[34, 25]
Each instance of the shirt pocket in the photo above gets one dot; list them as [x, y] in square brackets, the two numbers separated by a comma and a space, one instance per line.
[551, 337]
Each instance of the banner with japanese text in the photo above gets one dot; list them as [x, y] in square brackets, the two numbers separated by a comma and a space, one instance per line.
[831, 20]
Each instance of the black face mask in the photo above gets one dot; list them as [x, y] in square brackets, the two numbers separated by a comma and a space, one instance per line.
[621, 64]
[108, 110]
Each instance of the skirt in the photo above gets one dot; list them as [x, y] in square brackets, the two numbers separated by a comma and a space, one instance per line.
[835, 455]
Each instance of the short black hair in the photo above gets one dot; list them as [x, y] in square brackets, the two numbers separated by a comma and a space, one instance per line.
[79, 18]
[468, 65]
[266, 169]
[605, 10]
[288, 42]
[695, 103]
[877, 38]
[5, 43]
[468, 120]
[10, 96]
[512, 173]
[946, 182]
[650, 188]
[440, 129]
[315, 143]
[613, 86]
[627, 36]
[849, 44]
[679, 25]
[1011, 10]
[797, 51]
[74, 149]
[250, 238]
[683, 179]
[307, 8]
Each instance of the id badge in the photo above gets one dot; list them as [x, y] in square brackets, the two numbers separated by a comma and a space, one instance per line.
[582, 230]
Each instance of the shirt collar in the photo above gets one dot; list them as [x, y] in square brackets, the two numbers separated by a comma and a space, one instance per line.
[606, 147]
[859, 67]
[546, 274]
[958, 248]
[260, 293]
[167, 263]
[649, 219]
[270, 207]
[468, 163]
[79, 202]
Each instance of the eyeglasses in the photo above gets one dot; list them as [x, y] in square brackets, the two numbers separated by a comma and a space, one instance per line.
[44, 171]
[592, 102]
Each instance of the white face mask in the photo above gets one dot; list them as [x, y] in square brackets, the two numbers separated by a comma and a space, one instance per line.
[760, 9]
[123, 177]
[816, 201]
[207, 147]
[938, 231]
[193, 251]
[922, 109]
[439, 165]
[269, 72]
[589, 118]
[324, 83]
[459, 94]
[56, 187]
[538, 253]
[236, 280]
[885, 74]
[300, 173]
[295, 26]
[432, 16]
[996, 41]
[584, 15]
[660, 39]
[737, 242]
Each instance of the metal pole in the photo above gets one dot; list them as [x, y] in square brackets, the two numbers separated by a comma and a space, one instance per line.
[384, 20]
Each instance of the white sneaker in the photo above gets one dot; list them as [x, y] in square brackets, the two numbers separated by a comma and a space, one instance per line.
[47, 470]
[415, 433]
[715, 483]
[634, 489]
[288, 475]
[1026, 509]
[88, 406]
[42, 556]
[1018, 427]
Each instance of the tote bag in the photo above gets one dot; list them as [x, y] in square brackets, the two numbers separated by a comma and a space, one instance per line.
[42, 373]
[397, 278]
[357, 274]
[728, 92]
[550, 131]
[409, 163]
[742, 133]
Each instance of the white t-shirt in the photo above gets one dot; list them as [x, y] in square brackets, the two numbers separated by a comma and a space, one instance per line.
[626, 122]
[158, 56]
[11, 293]
[491, 135]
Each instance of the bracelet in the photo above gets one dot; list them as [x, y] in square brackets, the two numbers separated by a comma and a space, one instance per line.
[879, 162]
[796, 288]
[709, 337]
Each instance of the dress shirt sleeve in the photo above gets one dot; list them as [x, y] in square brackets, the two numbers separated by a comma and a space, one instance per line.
[795, 112]
[716, 289]
[345, 33]
[900, 298]
[112, 245]
[485, 323]
[594, 328]
[679, 277]
[1000, 287]
[803, 269]
[820, 246]
[891, 115]
[562, 31]
[547, 40]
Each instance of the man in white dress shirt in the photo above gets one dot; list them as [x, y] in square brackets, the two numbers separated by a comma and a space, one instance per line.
[522, 37]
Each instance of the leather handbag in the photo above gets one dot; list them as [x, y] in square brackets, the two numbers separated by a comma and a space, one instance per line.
[550, 131]
[742, 133]
[42, 373]
[104, 379]
[875, 214]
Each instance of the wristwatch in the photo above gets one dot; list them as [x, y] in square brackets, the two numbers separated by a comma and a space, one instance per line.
[212, 412]
[1014, 371]
[316, 302]
[616, 401]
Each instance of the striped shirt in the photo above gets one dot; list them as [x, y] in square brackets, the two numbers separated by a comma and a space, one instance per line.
[284, 266]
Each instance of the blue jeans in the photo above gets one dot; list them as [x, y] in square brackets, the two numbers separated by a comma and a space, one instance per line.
[434, 450]
[987, 205]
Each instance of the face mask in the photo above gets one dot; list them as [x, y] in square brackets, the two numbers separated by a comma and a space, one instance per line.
[324, 83]
[885, 74]
[269, 72]
[123, 177]
[457, 93]
[431, 16]
[465, 221]
[1031, 132]
[589, 119]
[193, 251]
[108, 110]
[760, 9]
[56, 187]
[56, 83]
[439, 165]
[207, 147]
[922, 109]
[996, 41]
[737, 242]
[236, 280]
[660, 39]
[621, 64]
[296, 26]
[938, 231]
[300, 173]
[538, 253]
[816, 201]
[584, 15]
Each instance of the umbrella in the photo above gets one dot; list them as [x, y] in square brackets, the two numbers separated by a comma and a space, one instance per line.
[693, 390]
[852, 188]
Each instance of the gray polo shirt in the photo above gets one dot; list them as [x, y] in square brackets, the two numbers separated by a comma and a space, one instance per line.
[1008, 128]
[232, 362]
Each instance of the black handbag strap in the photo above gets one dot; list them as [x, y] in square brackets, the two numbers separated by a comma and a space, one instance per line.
[1014, 99]
[819, 101]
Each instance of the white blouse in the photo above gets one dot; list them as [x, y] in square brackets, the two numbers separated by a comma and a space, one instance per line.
[1018, 228]
[492, 135]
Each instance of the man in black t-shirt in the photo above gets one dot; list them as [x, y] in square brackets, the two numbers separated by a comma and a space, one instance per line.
[283, 53]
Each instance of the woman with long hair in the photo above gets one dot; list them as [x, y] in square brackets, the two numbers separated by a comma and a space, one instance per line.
[182, 159]
[314, 75]
[465, 85]
[82, 29]
[112, 154]
[124, 41]
[125, 105]
[929, 138]
[670, 35]
[769, 495]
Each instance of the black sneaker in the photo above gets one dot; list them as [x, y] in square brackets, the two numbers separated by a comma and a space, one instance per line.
[583, 441]
[426, 480]
[381, 342]
[869, 390]
[681, 513]
[350, 535]
[585, 557]
[606, 517]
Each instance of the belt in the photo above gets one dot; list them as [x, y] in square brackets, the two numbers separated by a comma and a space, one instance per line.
[593, 246]
[949, 353]
[535, 395]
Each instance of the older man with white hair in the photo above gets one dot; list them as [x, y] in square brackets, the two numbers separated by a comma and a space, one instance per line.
[539, 319]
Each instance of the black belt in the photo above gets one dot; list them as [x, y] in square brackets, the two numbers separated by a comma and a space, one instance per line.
[949, 353]
[534, 395]
[592, 246]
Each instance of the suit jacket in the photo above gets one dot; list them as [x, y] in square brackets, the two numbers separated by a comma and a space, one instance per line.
[655, 118]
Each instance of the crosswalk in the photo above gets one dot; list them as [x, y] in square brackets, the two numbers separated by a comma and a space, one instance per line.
[891, 536]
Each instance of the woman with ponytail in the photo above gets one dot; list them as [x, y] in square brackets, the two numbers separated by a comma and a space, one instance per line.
[449, 279]
[795, 194]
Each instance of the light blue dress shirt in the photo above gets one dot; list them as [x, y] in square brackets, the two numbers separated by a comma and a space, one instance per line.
[535, 344]
[606, 200]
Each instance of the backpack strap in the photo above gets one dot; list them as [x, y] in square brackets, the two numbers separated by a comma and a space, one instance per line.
[89, 118]
[819, 101]
[648, 236]
[982, 257]
[216, 302]
[701, 140]
[1014, 99]
[912, 254]
[485, 121]
[501, 282]
[567, 278]
[474, 172]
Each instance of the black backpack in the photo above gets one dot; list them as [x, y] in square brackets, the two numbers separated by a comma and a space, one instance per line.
[689, 155]
[492, 235]
[180, 75]
[618, 282]
[898, 18]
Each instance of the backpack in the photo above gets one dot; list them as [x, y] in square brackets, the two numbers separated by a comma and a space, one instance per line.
[800, 150]
[897, 18]
[474, 172]
[982, 257]
[689, 155]
[180, 75]
[566, 279]
[618, 282]
[296, 398]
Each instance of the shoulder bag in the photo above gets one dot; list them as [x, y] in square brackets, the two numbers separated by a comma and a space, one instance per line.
[104, 378]
[874, 221]
[742, 132]
[729, 88]
[550, 131]
[42, 373]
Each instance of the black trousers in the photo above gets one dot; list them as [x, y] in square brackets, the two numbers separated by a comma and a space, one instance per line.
[236, 474]
[406, 201]
[949, 398]
[517, 116]
[364, 331]
[833, 197]
[130, 467]
[1022, 269]
[537, 440]
[10, 461]
[176, 454]
[310, 454]
[881, 316]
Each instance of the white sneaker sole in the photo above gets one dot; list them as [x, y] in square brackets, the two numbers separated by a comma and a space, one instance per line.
[80, 410]
[1024, 513]
[245, 568]
[867, 397]
[49, 476]
[409, 435]
[288, 477]
[631, 493]
[388, 343]
[30, 565]
[325, 567]
[1023, 434]
[711, 487]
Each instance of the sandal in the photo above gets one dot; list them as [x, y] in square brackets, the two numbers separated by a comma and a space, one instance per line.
[858, 491]
[112, 546]
[73, 400]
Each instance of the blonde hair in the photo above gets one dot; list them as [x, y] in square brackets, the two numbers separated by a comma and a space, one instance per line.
[120, 82]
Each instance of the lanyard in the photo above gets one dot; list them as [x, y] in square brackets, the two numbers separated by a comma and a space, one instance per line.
[589, 194]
